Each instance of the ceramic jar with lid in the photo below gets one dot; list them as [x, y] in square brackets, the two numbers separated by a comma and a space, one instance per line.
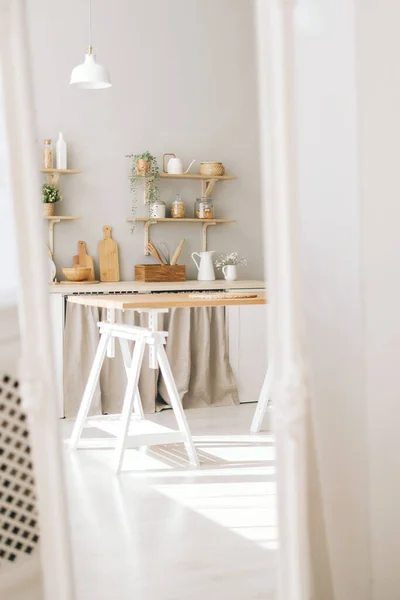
[204, 208]
[178, 208]
[47, 155]
[158, 210]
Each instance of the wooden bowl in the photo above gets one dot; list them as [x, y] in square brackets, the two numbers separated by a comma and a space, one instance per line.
[76, 273]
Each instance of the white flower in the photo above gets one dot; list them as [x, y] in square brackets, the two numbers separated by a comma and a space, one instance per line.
[230, 259]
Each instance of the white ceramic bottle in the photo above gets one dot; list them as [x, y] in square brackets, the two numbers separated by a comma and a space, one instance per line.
[61, 152]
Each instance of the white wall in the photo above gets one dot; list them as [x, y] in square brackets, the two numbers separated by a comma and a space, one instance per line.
[184, 81]
[378, 52]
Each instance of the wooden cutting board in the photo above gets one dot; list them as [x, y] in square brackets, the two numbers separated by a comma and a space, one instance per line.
[108, 257]
[84, 260]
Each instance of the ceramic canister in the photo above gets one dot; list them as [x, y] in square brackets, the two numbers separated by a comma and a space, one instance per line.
[158, 210]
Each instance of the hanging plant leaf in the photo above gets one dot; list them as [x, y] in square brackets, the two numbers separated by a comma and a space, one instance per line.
[144, 168]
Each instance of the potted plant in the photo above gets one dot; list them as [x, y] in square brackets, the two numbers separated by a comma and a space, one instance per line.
[50, 195]
[144, 168]
[228, 264]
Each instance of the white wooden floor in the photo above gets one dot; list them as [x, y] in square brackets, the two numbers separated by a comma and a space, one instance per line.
[164, 530]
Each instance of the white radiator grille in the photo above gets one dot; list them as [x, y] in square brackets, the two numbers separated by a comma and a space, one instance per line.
[19, 531]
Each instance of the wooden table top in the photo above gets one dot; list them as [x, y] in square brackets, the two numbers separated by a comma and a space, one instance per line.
[128, 287]
[137, 301]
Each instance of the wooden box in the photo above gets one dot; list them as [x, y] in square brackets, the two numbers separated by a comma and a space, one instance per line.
[153, 273]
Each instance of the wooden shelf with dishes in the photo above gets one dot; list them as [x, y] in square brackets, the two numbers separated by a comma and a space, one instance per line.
[204, 222]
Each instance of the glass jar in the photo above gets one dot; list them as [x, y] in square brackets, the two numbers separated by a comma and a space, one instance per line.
[158, 210]
[178, 208]
[47, 155]
[204, 208]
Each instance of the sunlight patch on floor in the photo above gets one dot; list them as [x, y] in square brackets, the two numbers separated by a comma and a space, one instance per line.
[246, 508]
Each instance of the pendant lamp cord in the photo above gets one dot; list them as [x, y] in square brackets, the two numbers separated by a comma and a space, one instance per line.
[90, 26]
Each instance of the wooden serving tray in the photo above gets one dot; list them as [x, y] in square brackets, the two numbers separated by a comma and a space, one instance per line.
[153, 273]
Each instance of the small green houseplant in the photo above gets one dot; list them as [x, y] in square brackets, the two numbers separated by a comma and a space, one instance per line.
[144, 168]
[50, 195]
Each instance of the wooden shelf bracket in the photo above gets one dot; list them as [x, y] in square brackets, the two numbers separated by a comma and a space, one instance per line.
[51, 224]
[51, 221]
[207, 186]
[53, 175]
[205, 223]
[204, 235]
[147, 226]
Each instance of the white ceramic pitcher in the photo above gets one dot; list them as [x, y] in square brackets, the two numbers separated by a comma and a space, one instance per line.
[230, 272]
[205, 268]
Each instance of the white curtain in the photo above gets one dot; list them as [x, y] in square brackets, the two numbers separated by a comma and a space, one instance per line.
[23, 274]
[310, 152]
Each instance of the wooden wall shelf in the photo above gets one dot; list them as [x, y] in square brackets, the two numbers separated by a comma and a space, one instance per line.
[54, 174]
[207, 181]
[51, 222]
[204, 222]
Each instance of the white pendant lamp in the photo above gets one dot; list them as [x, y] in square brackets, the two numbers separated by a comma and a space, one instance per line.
[89, 75]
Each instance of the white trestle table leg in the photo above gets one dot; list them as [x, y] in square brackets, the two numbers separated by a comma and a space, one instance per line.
[127, 358]
[127, 408]
[111, 345]
[90, 389]
[176, 403]
[262, 404]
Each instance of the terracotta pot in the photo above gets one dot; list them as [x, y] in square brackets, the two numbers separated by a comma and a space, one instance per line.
[48, 209]
[142, 165]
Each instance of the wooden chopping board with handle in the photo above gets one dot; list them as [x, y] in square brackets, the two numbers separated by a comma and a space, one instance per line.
[84, 260]
[108, 257]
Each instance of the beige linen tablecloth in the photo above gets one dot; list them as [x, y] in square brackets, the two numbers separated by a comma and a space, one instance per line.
[196, 348]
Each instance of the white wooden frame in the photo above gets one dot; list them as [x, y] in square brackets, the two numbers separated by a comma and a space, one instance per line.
[274, 21]
[37, 372]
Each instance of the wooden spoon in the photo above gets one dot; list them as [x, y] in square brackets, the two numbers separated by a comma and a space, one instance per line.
[151, 249]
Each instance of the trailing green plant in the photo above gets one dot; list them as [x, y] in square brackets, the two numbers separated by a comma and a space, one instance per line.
[50, 194]
[144, 168]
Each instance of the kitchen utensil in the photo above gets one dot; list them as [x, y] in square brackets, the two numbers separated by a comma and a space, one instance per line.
[205, 268]
[177, 252]
[108, 257]
[51, 265]
[76, 273]
[164, 252]
[175, 165]
[52, 269]
[84, 260]
[151, 249]
[230, 272]
[152, 273]
[211, 168]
